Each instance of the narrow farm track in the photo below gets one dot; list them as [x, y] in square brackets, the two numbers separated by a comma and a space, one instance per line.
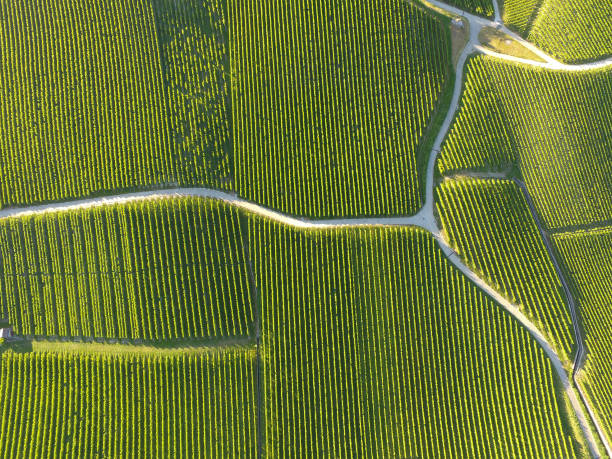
[424, 219]
[477, 23]
[580, 352]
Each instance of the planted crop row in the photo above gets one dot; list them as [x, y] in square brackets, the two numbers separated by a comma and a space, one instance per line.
[87, 405]
[82, 105]
[588, 258]
[520, 14]
[153, 269]
[481, 7]
[331, 102]
[374, 345]
[193, 45]
[489, 223]
[555, 126]
[570, 30]
[101, 96]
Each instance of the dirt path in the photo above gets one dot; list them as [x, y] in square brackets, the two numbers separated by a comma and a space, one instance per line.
[580, 352]
[477, 23]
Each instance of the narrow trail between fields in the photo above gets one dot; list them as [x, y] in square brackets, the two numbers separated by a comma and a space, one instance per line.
[424, 219]
[478, 22]
[580, 351]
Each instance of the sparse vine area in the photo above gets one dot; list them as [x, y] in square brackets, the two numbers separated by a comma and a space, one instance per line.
[303, 229]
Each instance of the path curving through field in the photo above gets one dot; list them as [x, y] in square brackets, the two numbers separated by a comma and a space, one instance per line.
[478, 22]
[424, 219]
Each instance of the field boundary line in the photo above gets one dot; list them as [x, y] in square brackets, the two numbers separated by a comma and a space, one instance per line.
[244, 228]
[580, 352]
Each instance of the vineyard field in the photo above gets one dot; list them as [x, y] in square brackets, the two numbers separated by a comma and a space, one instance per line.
[193, 43]
[490, 225]
[107, 96]
[588, 258]
[519, 15]
[332, 101]
[160, 269]
[480, 7]
[570, 30]
[374, 345]
[554, 126]
[75, 405]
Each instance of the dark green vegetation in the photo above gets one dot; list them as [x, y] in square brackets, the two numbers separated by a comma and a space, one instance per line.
[82, 108]
[328, 114]
[159, 269]
[240, 336]
[92, 405]
[570, 30]
[519, 15]
[555, 126]
[490, 225]
[588, 258]
[374, 345]
[193, 37]
[369, 338]
[480, 7]
[101, 96]
[321, 118]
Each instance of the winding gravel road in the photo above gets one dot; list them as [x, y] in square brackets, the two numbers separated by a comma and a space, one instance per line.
[424, 218]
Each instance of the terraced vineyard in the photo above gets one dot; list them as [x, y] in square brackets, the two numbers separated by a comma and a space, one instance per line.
[480, 7]
[373, 344]
[555, 126]
[588, 258]
[86, 405]
[155, 269]
[490, 225]
[570, 30]
[328, 115]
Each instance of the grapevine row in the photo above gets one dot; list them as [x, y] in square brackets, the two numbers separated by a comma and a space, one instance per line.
[553, 125]
[490, 225]
[102, 96]
[331, 102]
[153, 270]
[520, 14]
[92, 405]
[588, 258]
[570, 30]
[374, 345]
[481, 7]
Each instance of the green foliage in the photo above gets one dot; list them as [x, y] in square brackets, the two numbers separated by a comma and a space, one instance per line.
[570, 30]
[101, 96]
[520, 14]
[193, 47]
[588, 258]
[155, 269]
[374, 345]
[556, 125]
[480, 7]
[330, 102]
[75, 405]
[489, 223]
[82, 107]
